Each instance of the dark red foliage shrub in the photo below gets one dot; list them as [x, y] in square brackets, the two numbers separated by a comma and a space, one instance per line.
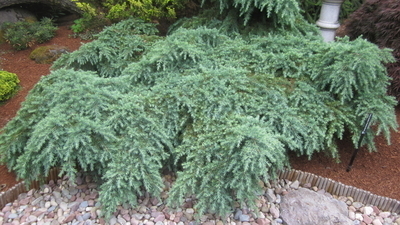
[394, 73]
[379, 22]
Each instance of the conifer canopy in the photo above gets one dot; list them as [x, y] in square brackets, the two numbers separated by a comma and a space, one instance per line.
[220, 109]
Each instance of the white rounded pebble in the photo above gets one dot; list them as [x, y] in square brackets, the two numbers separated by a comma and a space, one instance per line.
[47, 205]
[368, 210]
[352, 215]
[359, 217]
[190, 210]
[376, 222]
[384, 214]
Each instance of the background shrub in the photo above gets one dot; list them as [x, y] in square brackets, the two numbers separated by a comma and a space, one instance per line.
[144, 9]
[22, 35]
[89, 25]
[8, 84]
[394, 73]
[99, 13]
[147, 10]
[379, 23]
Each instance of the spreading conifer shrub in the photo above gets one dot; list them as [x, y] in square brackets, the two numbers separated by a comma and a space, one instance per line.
[22, 35]
[8, 84]
[221, 110]
[379, 23]
[109, 55]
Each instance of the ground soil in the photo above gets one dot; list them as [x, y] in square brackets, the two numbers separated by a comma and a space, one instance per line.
[377, 172]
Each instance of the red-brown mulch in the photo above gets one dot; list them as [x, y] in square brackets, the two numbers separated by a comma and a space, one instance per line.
[377, 172]
[29, 73]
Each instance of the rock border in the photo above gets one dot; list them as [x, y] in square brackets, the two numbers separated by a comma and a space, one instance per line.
[340, 189]
[297, 177]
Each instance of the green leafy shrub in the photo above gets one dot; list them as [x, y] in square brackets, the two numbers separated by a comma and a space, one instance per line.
[22, 35]
[379, 23]
[81, 24]
[104, 12]
[92, 20]
[144, 9]
[117, 10]
[89, 25]
[8, 84]
[220, 110]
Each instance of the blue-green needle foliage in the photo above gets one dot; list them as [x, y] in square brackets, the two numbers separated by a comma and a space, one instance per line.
[116, 47]
[220, 109]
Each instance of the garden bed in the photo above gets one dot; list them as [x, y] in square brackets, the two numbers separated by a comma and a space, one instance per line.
[376, 172]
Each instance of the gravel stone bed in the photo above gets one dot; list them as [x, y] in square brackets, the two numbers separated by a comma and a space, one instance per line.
[64, 202]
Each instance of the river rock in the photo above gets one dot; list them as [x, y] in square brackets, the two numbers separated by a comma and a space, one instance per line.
[274, 211]
[368, 210]
[159, 218]
[271, 197]
[384, 214]
[263, 221]
[367, 219]
[295, 184]
[376, 222]
[237, 215]
[303, 206]
[244, 218]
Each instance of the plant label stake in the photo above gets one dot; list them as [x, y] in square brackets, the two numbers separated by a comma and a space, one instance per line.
[364, 131]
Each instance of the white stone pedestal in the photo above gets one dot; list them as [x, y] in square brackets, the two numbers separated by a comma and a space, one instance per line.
[328, 20]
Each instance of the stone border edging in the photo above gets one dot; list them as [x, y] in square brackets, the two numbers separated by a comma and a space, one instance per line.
[329, 185]
[12, 194]
[340, 189]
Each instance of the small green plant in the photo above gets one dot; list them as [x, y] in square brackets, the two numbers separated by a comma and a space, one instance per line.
[22, 35]
[80, 24]
[89, 24]
[8, 85]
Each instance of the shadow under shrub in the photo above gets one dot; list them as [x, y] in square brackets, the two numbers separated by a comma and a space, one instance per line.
[219, 109]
